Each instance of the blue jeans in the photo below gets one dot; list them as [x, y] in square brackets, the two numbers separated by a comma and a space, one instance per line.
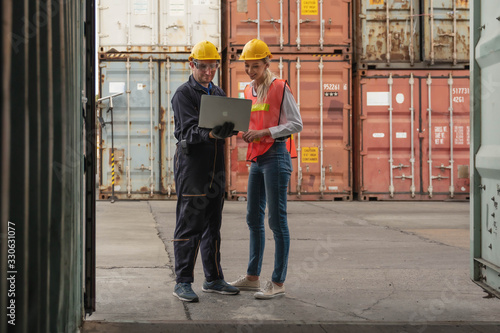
[269, 177]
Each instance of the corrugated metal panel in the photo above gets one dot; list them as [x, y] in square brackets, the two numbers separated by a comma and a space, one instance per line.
[388, 31]
[42, 166]
[446, 31]
[157, 25]
[291, 26]
[144, 142]
[412, 135]
[398, 33]
[485, 152]
[321, 86]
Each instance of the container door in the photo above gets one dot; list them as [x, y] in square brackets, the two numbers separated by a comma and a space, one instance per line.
[388, 139]
[485, 152]
[183, 23]
[266, 20]
[317, 25]
[135, 129]
[322, 88]
[388, 31]
[446, 31]
[291, 26]
[130, 25]
[446, 139]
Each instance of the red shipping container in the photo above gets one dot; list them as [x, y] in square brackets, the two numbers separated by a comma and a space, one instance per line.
[322, 88]
[306, 26]
[412, 135]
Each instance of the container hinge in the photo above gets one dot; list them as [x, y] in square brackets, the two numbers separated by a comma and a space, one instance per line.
[249, 20]
[273, 21]
[403, 177]
[306, 21]
[174, 26]
[439, 177]
[142, 168]
[143, 26]
[442, 167]
[400, 166]
[482, 187]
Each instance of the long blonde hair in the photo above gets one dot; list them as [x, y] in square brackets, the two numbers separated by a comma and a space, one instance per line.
[263, 88]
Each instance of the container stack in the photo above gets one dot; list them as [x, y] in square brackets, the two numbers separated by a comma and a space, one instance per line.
[411, 100]
[143, 50]
[311, 45]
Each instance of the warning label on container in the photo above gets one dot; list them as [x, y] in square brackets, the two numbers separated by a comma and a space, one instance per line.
[376, 2]
[440, 134]
[310, 154]
[309, 7]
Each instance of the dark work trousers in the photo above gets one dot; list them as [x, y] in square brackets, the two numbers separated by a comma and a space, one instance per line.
[200, 186]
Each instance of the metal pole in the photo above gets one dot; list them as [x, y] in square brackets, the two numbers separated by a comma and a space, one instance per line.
[391, 166]
[388, 33]
[282, 40]
[429, 109]
[412, 158]
[151, 148]
[129, 125]
[452, 187]
[322, 186]
[298, 24]
[321, 26]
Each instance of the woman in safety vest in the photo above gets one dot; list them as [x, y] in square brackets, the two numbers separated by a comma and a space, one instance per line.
[275, 117]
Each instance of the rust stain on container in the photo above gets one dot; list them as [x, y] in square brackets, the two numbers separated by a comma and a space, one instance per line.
[332, 179]
[401, 160]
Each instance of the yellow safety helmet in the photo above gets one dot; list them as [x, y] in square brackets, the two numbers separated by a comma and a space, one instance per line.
[204, 50]
[255, 50]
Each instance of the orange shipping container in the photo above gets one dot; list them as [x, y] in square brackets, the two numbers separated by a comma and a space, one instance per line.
[306, 26]
[322, 88]
[412, 135]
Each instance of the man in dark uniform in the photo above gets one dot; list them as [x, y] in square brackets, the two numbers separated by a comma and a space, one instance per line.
[199, 179]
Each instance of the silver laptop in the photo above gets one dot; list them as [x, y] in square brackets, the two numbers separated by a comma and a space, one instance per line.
[215, 110]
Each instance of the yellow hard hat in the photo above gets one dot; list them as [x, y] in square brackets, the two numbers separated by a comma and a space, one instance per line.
[204, 50]
[255, 50]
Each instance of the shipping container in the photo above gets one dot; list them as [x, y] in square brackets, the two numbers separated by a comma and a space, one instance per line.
[398, 34]
[143, 124]
[44, 104]
[485, 147]
[287, 26]
[157, 25]
[412, 135]
[322, 88]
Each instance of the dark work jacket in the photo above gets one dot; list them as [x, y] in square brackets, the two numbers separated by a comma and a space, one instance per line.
[186, 105]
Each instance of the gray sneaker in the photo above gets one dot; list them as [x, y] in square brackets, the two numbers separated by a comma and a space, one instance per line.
[244, 284]
[220, 287]
[184, 292]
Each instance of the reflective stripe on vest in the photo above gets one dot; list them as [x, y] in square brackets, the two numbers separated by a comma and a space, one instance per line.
[264, 115]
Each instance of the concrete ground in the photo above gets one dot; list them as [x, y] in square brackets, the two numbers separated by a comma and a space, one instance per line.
[353, 267]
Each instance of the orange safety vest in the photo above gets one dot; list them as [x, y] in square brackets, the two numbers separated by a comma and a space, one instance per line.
[265, 115]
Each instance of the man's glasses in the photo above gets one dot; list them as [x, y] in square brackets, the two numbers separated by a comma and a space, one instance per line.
[205, 67]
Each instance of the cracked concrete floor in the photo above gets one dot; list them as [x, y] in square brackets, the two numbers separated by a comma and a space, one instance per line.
[349, 262]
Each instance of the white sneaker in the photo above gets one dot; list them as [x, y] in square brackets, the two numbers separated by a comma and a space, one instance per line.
[270, 290]
[244, 284]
